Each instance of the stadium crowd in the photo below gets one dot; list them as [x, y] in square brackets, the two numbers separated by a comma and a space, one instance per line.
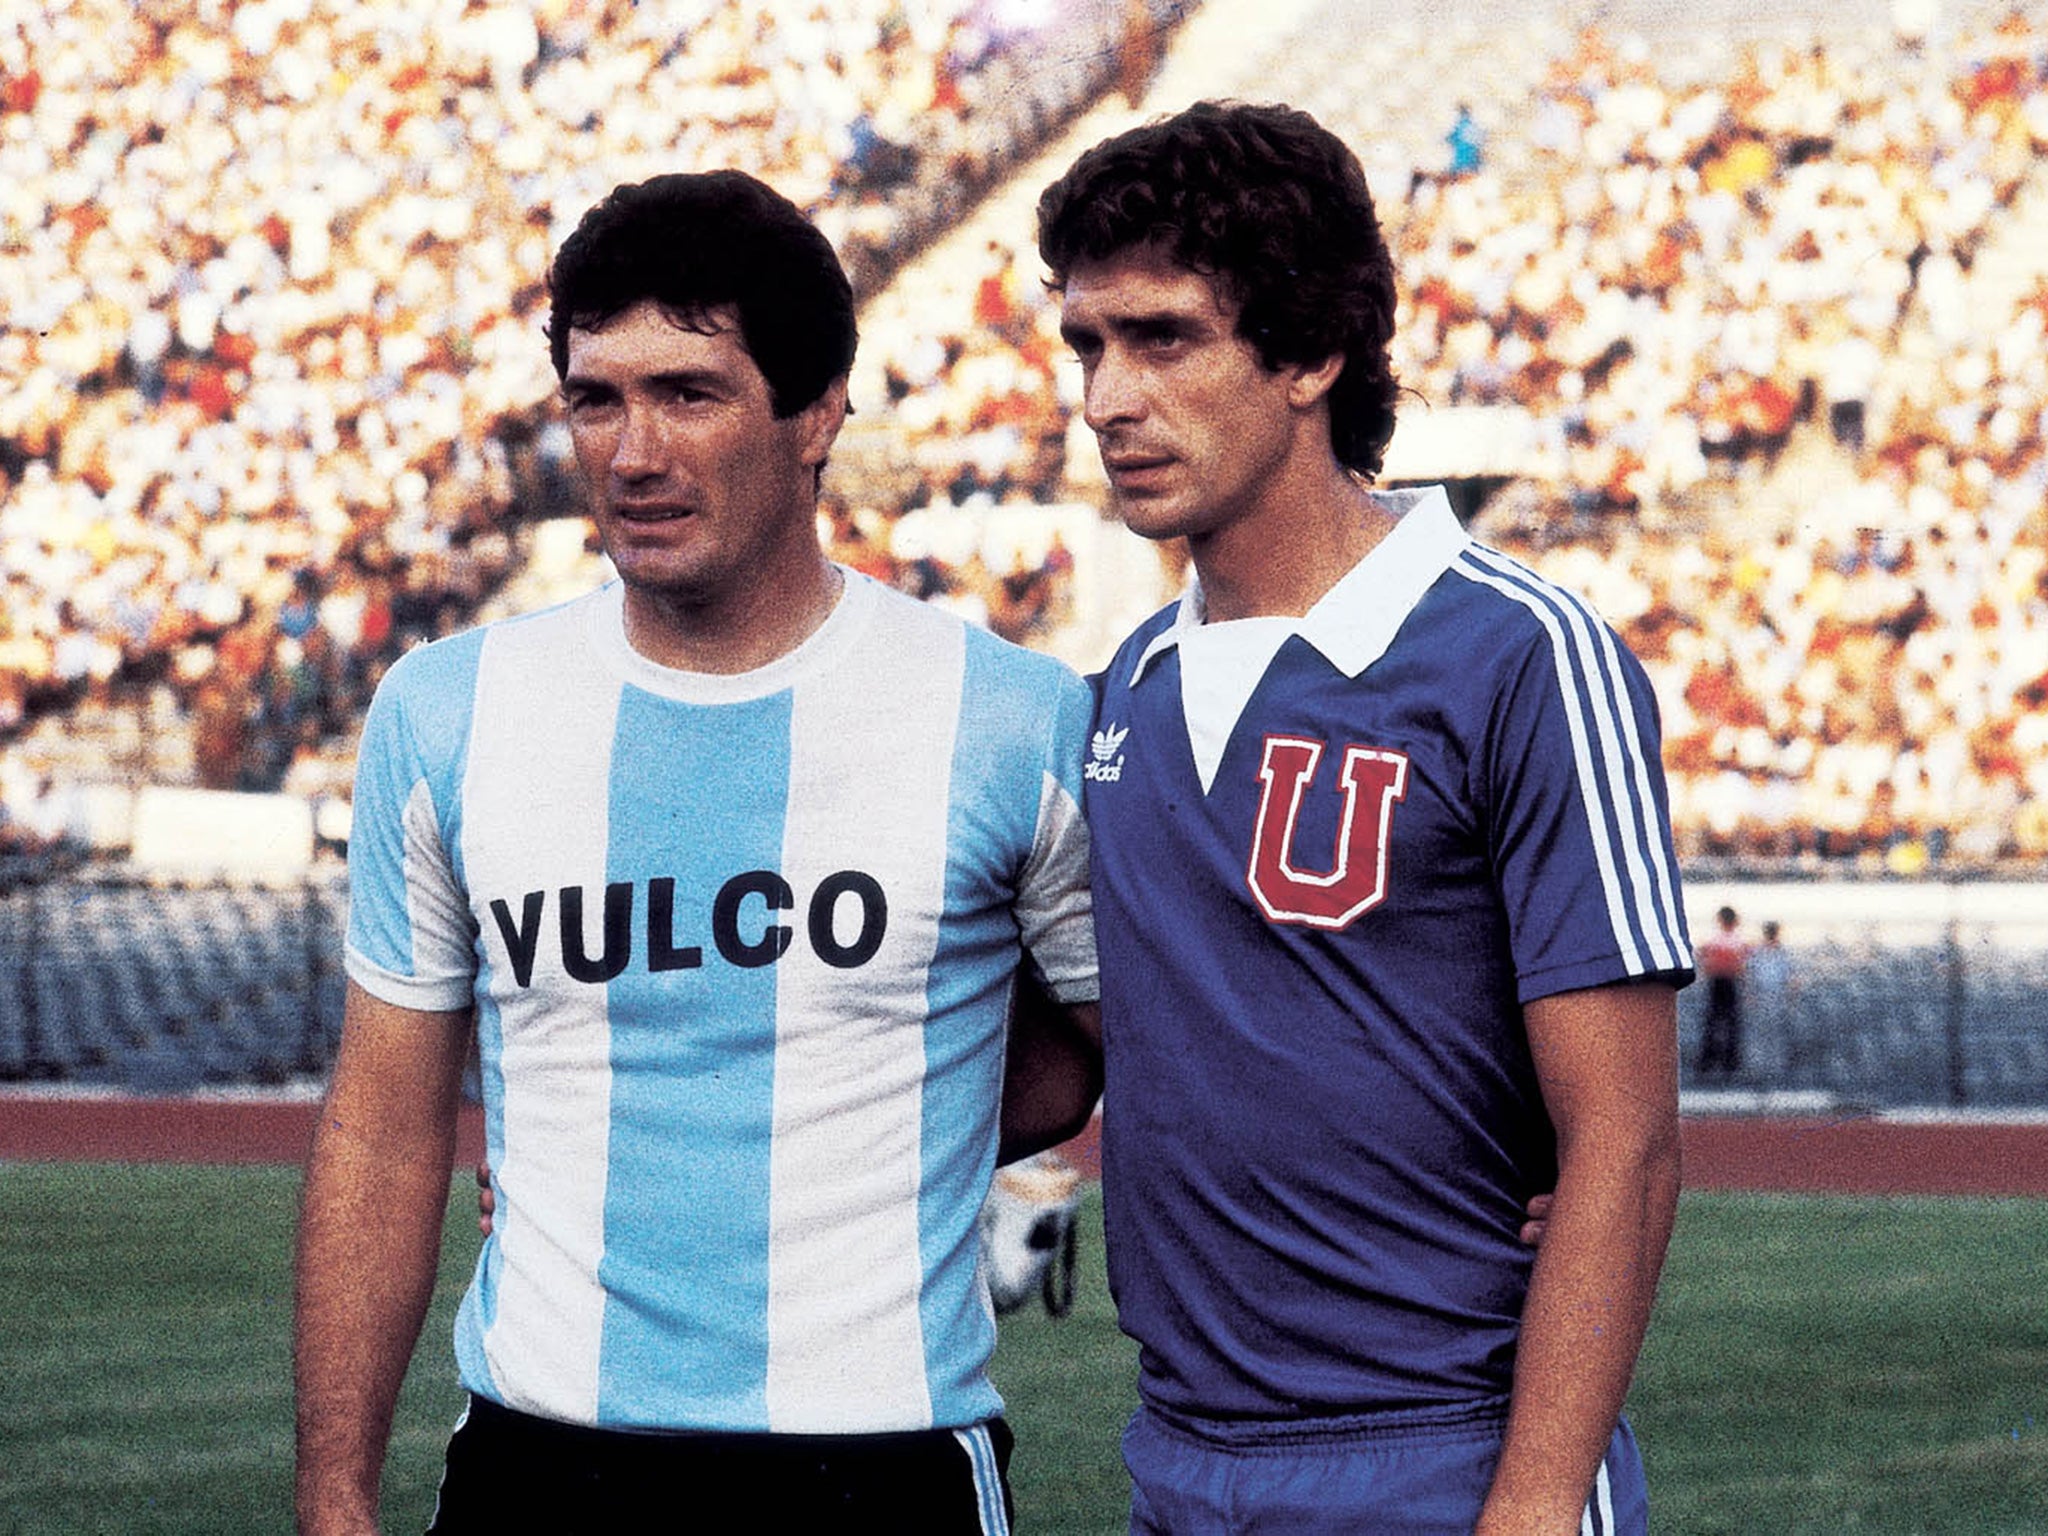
[1678, 262]
[1853, 655]
[272, 361]
[273, 370]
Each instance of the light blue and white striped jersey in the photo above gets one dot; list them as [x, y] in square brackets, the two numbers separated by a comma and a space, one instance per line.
[741, 950]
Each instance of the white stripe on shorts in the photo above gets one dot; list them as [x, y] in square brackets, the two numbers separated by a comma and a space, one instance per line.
[1598, 1519]
[988, 1478]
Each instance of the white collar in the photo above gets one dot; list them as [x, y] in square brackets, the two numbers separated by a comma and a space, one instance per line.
[1354, 622]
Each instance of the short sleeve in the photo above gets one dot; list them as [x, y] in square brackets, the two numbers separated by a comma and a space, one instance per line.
[1055, 914]
[1578, 817]
[410, 933]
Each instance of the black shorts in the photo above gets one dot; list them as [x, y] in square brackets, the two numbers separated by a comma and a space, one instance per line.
[510, 1472]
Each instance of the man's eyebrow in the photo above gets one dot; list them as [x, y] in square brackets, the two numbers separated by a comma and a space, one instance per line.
[667, 378]
[1157, 322]
[693, 378]
[1149, 321]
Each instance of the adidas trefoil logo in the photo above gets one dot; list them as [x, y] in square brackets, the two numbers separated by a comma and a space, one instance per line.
[1105, 754]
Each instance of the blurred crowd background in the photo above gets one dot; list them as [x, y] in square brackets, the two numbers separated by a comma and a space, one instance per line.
[1734, 322]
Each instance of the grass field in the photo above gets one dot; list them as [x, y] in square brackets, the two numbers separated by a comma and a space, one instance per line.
[1817, 1365]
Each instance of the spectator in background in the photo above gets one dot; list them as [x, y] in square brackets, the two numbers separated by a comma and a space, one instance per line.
[1774, 1045]
[270, 302]
[1140, 49]
[1686, 245]
[1722, 957]
[1466, 142]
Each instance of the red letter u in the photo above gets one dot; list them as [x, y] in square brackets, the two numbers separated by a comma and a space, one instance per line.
[1372, 780]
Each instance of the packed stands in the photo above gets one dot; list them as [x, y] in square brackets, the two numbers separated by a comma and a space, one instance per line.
[1836, 248]
[1749, 320]
[274, 378]
[274, 401]
[1767, 303]
[1733, 321]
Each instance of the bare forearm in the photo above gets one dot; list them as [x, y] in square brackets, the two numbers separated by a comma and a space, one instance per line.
[1582, 1327]
[369, 1245]
[368, 1252]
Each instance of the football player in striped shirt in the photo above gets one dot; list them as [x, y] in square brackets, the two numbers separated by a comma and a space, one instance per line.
[1389, 918]
[731, 868]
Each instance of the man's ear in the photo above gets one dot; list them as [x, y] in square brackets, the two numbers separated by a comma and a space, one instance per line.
[1313, 381]
[821, 420]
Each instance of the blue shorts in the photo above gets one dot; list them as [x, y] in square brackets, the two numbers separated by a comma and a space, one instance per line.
[1424, 1473]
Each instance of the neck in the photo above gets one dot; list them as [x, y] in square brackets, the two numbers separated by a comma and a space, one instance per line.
[1282, 562]
[733, 633]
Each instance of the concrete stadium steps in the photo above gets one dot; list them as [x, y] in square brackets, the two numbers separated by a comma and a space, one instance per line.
[1892, 1024]
[168, 988]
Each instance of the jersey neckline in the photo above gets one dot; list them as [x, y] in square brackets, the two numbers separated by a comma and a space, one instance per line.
[606, 628]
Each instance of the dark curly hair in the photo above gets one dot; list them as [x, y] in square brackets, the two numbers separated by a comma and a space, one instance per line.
[704, 241]
[1275, 208]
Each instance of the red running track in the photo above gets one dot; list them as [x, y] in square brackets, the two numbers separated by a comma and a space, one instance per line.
[1850, 1155]
[134, 1130]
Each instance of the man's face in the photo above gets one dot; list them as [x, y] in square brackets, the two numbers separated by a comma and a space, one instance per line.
[1193, 428]
[697, 487]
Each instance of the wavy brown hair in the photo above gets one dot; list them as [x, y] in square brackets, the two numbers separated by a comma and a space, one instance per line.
[1275, 208]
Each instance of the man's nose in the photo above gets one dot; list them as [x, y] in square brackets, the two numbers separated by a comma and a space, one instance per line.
[637, 453]
[1112, 393]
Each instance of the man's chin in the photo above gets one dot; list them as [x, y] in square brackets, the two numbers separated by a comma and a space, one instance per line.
[667, 580]
[1149, 517]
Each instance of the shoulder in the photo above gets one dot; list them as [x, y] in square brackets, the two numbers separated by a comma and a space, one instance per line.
[429, 693]
[456, 657]
[429, 683]
[1507, 621]
[426, 669]
[1513, 597]
[991, 661]
[1033, 668]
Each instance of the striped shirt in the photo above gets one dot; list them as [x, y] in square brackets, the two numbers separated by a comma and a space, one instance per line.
[1333, 858]
[741, 951]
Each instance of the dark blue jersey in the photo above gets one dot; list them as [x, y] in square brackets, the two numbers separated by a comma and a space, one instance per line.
[1332, 859]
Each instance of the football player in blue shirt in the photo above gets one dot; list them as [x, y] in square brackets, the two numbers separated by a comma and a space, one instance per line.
[1389, 918]
[730, 869]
